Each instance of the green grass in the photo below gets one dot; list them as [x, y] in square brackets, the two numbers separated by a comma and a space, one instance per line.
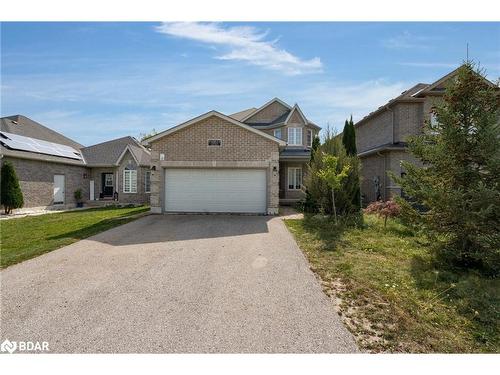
[27, 237]
[393, 295]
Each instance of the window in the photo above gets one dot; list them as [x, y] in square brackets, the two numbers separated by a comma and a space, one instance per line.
[129, 181]
[147, 182]
[215, 142]
[309, 137]
[108, 180]
[294, 178]
[295, 136]
[277, 133]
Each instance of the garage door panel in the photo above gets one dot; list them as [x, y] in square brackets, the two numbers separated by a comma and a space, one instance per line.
[215, 190]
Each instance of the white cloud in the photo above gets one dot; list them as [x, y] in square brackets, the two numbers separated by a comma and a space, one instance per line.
[243, 43]
[407, 40]
[430, 65]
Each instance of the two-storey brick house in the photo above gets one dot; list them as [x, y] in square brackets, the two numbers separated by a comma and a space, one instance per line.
[247, 162]
[381, 136]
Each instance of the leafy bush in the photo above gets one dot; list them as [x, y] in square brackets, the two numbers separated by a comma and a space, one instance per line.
[11, 195]
[346, 202]
[385, 209]
[78, 195]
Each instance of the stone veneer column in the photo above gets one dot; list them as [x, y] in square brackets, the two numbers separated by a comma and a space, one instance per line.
[273, 184]
[155, 200]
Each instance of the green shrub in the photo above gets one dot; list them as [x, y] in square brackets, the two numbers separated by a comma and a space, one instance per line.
[11, 195]
[347, 200]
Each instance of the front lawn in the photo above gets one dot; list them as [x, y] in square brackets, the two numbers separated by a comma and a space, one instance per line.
[27, 237]
[391, 293]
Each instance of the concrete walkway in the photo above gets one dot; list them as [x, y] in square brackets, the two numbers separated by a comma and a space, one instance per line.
[174, 284]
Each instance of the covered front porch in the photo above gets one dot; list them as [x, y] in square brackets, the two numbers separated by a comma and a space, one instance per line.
[293, 170]
[104, 184]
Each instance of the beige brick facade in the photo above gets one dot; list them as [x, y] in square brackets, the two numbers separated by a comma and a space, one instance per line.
[188, 148]
[374, 132]
[141, 197]
[268, 114]
[36, 179]
[390, 126]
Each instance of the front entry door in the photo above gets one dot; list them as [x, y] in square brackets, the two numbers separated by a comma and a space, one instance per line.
[58, 189]
[107, 184]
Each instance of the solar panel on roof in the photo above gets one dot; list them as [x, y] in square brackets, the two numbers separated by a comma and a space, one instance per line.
[22, 143]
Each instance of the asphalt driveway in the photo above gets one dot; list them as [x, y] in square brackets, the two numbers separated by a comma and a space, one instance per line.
[180, 283]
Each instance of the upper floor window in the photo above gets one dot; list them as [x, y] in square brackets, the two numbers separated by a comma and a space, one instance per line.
[129, 181]
[295, 136]
[309, 137]
[147, 182]
[277, 133]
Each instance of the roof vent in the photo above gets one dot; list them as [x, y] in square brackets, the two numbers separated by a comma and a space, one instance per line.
[14, 122]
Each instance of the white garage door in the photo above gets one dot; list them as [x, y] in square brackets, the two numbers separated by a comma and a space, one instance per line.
[215, 190]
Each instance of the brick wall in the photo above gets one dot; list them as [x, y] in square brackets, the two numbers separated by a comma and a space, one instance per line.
[408, 120]
[36, 179]
[372, 166]
[240, 148]
[374, 132]
[268, 114]
[141, 196]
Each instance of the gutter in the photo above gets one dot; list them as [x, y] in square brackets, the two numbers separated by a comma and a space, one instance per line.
[380, 149]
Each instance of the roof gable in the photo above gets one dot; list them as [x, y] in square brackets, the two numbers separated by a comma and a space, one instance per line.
[296, 111]
[111, 152]
[272, 101]
[439, 86]
[207, 115]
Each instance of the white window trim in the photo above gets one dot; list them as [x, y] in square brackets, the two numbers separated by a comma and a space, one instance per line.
[309, 131]
[146, 174]
[295, 132]
[133, 175]
[294, 169]
[280, 130]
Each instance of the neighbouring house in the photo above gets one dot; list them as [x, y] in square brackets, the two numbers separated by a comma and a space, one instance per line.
[119, 169]
[381, 136]
[248, 162]
[51, 167]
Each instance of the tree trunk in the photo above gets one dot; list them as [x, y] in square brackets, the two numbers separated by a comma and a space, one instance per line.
[333, 206]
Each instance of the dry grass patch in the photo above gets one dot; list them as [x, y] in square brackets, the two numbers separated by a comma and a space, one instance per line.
[391, 293]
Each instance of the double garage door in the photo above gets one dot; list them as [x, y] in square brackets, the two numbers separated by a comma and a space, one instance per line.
[215, 190]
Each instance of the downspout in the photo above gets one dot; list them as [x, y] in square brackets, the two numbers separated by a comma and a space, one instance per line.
[385, 157]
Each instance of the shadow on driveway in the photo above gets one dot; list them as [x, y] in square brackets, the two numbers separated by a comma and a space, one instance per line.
[165, 228]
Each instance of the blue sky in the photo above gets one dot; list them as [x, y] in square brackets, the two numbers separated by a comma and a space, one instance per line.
[98, 81]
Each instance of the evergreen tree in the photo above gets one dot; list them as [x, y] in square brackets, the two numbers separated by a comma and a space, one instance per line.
[458, 184]
[349, 137]
[315, 144]
[353, 150]
[10, 192]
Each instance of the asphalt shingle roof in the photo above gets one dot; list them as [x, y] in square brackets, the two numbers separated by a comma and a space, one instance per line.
[107, 153]
[25, 126]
